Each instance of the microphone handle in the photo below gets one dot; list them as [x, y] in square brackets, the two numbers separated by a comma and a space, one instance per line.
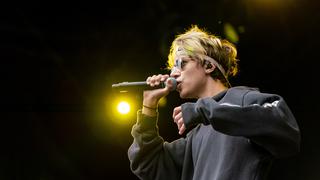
[136, 86]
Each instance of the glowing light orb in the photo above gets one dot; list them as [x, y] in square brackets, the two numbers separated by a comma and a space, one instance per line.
[123, 107]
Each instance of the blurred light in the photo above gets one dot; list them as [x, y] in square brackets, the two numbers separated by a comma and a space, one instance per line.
[268, 2]
[231, 33]
[163, 102]
[123, 107]
[269, 5]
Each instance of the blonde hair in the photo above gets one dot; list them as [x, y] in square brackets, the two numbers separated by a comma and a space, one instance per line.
[196, 43]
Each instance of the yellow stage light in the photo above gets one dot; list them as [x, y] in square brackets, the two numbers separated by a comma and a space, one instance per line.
[163, 102]
[123, 107]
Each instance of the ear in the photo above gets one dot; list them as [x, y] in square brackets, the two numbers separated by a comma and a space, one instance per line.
[209, 67]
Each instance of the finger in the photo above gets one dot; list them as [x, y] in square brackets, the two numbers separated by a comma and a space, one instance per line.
[148, 80]
[180, 123]
[152, 80]
[164, 77]
[182, 129]
[178, 126]
[178, 116]
[176, 111]
[175, 120]
[158, 79]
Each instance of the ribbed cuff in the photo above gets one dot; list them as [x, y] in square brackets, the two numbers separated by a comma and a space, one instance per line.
[146, 122]
[190, 115]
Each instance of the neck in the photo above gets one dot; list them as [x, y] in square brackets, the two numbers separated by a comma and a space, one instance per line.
[212, 88]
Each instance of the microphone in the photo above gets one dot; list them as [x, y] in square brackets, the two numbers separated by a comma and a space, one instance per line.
[142, 85]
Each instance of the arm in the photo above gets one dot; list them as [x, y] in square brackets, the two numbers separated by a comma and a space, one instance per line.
[152, 158]
[263, 118]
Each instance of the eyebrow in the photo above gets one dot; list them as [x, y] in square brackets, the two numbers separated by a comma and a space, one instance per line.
[183, 58]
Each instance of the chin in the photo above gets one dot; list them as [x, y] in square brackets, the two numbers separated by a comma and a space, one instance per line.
[183, 95]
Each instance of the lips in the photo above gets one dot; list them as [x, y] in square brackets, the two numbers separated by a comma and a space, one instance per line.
[179, 86]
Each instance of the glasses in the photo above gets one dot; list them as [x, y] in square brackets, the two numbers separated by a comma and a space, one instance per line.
[179, 64]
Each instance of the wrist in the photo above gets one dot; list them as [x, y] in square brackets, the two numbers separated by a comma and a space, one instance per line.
[150, 111]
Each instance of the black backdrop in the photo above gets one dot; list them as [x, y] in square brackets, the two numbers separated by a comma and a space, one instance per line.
[58, 62]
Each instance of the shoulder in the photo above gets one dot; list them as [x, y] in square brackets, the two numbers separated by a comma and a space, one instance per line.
[242, 91]
[236, 95]
[244, 88]
[254, 96]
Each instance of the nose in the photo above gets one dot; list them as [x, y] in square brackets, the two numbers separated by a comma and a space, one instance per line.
[175, 72]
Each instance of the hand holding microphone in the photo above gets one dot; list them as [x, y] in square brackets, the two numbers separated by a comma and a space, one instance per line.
[152, 97]
[154, 88]
[162, 81]
[153, 82]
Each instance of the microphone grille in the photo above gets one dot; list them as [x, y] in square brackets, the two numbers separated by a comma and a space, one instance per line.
[173, 82]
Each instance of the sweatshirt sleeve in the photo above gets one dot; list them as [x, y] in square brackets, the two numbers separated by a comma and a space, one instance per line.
[150, 156]
[263, 118]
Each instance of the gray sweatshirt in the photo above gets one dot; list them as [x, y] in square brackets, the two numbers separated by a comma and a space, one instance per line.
[235, 136]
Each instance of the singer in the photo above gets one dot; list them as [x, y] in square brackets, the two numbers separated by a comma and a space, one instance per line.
[228, 133]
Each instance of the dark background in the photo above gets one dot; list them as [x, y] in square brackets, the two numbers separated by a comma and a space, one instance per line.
[58, 62]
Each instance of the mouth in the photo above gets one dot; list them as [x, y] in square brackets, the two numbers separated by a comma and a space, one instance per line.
[179, 87]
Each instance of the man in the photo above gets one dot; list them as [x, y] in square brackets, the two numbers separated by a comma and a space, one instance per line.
[234, 132]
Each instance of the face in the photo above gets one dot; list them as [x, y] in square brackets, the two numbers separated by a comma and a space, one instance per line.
[190, 76]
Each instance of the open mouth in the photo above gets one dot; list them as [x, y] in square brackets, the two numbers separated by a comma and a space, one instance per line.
[179, 87]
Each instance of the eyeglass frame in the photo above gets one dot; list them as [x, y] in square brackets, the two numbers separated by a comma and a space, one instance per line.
[178, 64]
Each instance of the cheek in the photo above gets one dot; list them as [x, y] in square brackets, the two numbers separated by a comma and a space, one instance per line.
[193, 79]
[195, 74]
